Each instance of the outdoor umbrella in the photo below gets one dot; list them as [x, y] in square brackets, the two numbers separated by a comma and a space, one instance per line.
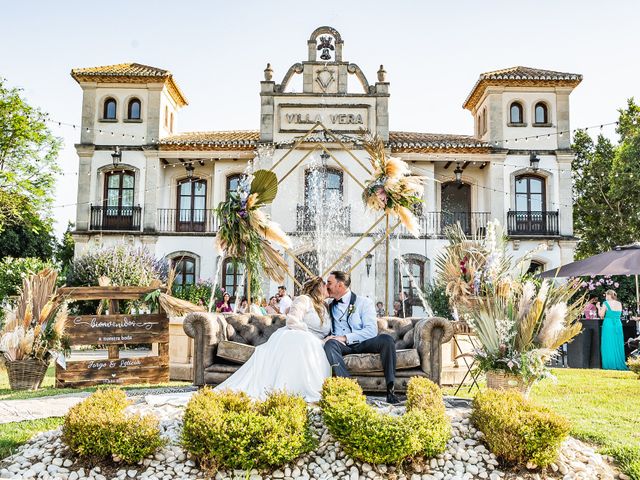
[619, 261]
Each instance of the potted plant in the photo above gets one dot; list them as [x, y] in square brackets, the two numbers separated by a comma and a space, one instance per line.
[33, 333]
[520, 322]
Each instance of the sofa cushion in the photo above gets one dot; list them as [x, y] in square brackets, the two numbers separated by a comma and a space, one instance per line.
[400, 329]
[371, 362]
[252, 329]
[235, 351]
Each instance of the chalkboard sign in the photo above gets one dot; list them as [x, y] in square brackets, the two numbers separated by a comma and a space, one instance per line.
[114, 330]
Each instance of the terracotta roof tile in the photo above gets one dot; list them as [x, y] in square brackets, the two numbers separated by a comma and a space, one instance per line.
[121, 70]
[519, 76]
[528, 73]
[248, 139]
[130, 72]
[242, 139]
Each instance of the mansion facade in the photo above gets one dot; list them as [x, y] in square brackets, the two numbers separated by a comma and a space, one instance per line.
[149, 184]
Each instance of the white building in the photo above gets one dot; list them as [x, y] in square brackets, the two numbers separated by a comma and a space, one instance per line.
[163, 192]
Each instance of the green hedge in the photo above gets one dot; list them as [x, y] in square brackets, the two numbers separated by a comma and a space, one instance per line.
[373, 437]
[517, 430]
[228, 429]
[99, 427]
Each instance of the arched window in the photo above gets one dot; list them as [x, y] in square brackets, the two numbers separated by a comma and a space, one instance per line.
[166, 116]
[323, 187]
[516, 113]
[133, 109]
[535, 267]
[185, 267]
[171, 123]
[109, 111]
[192, 199]
[232, 277]
[484, 121]
[233, 181]
[541, 113]
[411, 272]
[530, 194]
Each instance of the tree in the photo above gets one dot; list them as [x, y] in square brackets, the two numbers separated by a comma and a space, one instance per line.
[28, 159]
[606, 185]
[30, 237]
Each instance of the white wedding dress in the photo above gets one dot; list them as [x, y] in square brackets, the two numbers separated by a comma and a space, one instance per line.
[293, 359]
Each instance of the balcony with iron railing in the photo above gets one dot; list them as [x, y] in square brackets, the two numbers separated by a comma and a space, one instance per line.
[115, 218]
[174, 220]
[308, 219]
[433, 224]
[536, 224]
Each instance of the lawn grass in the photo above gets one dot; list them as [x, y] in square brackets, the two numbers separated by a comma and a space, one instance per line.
[12, 435]
[602, 406]
[48, 387]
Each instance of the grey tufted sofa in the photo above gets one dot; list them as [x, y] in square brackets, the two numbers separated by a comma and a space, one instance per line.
[223, 342]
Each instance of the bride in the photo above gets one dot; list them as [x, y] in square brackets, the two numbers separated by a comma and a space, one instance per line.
[293, 359]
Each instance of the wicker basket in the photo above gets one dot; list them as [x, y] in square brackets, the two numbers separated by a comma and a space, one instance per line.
[26, 374]
[499, 380]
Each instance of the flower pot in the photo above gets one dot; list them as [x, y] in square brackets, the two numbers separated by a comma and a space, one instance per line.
[26, 374]
[500, 380]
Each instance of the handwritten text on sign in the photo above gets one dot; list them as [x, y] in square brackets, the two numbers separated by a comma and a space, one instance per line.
[117, 329]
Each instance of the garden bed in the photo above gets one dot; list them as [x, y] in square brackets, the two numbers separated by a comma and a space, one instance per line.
[465, 457]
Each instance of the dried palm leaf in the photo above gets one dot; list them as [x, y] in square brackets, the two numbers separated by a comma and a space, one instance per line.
[176, 307]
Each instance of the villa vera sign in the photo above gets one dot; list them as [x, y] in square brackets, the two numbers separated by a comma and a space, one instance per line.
[300, 118]
[112, 331]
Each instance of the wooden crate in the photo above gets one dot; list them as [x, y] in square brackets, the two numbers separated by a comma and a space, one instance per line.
[115, 330]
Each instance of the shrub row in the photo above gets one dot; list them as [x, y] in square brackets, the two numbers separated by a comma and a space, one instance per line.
[228, 429]
[373, 437]
[100, 427]
[517, 430]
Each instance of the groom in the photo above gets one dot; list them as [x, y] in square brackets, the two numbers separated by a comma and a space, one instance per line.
[354, 329]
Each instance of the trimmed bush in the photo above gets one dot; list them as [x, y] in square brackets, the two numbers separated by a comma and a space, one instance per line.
[228, 429]
[99, 427]
[634, 365]
[373, 437]
[517, 430]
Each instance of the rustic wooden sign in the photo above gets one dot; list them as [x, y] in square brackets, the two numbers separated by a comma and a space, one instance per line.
[114, 330]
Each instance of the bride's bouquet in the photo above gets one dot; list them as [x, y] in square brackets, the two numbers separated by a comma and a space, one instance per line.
[392, 189]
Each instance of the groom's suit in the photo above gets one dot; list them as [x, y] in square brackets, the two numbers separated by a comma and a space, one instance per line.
[355, 318]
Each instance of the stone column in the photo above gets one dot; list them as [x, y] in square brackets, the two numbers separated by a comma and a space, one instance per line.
[150, 190]
[382, 110]
[267, 120]
[85, 179]
[88, 113]
[565, 197]
[500, 202]
[154, 115]
[562, 117]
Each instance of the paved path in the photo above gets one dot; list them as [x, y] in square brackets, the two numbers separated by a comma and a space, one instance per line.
[59, 405]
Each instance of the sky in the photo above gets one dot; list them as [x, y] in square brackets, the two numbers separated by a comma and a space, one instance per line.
[432, 51]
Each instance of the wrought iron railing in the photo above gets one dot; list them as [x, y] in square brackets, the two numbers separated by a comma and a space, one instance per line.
[533, 223]
[308, 219]
[115, 218]
[186, 220]
[433, 224]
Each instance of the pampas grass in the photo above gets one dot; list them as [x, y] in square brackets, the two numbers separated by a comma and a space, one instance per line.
[520, 326]
[36, 327]
[392, 189]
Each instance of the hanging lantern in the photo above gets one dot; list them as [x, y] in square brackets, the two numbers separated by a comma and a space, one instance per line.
[458, 173]
[116, 156]
[534, 161]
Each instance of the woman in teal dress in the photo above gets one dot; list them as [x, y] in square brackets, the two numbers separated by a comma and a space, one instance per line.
[612, 340]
